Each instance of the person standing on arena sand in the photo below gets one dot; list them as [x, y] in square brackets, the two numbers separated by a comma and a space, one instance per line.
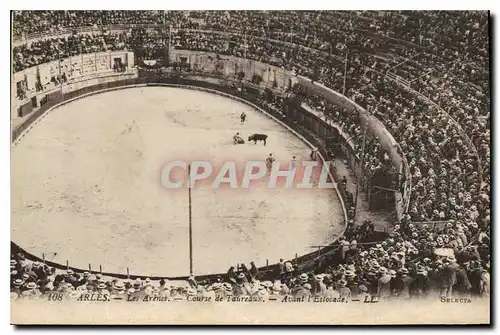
[243, 117]
[314, 153]
[293, 163]
[269, 161]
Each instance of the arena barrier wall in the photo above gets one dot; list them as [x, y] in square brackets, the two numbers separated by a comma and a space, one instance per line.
[312, 260]
[273, 77]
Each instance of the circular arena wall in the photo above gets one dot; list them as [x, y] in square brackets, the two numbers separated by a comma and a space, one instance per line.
[149, 235]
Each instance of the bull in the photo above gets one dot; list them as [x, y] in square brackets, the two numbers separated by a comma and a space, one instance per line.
[257, 137]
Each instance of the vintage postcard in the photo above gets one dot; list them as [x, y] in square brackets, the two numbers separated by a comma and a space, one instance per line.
[250, 167]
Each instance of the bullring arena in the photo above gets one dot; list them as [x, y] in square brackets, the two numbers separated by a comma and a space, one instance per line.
[86, 184]
[397, 102]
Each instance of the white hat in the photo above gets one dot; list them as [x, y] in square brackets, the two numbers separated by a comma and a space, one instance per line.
[191, 291]
[31, 285]
[262, 291]
[267, 283]
[350, 273]
[75, 294]
[451, 259]
[421, 270]
[216, 286]
[18, 282]
[303, 277]
[119, 286]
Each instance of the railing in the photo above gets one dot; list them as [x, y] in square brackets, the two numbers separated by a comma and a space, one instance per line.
[65, 31]
[398, 79]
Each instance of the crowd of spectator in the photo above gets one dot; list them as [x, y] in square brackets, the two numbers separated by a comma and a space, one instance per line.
[424, 75]
[47, 50]
[403, 266]
[27, 22]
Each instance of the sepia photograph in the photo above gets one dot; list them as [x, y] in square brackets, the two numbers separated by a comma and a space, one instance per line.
[187, 167]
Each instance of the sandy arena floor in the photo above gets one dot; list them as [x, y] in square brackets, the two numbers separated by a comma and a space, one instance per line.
[86, 187]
